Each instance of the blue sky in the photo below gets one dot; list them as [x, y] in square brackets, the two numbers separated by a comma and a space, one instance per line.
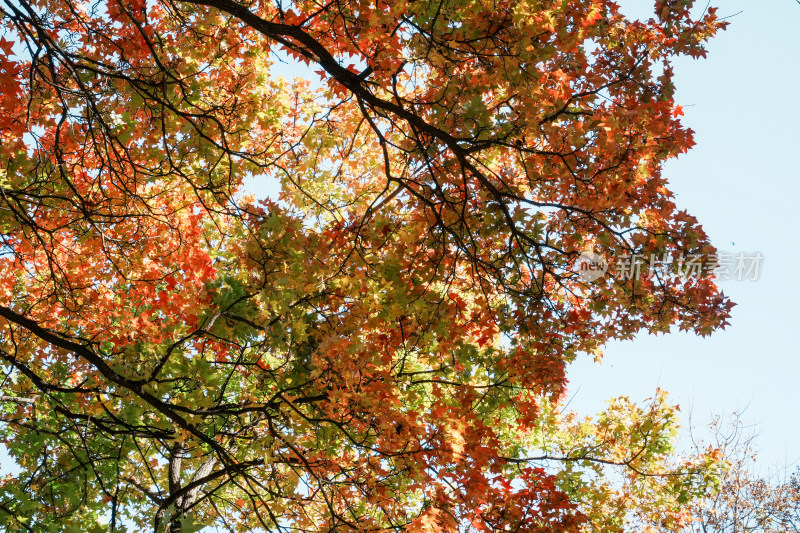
[741, 181]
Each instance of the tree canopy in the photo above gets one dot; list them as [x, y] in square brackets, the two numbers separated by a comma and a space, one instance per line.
[385, 345]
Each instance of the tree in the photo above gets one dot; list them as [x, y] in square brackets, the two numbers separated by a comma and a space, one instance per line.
[377, 349]
[623, 469]
[746, 500]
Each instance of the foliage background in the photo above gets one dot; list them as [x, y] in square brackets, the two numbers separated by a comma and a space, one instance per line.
[742, 181]
[738, 192]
